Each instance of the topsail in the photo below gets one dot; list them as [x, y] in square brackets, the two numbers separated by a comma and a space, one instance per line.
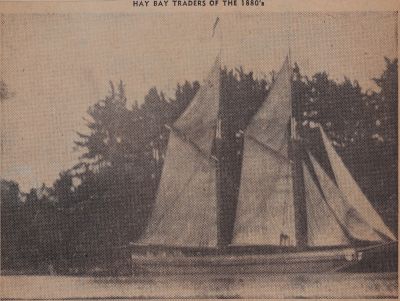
[198, 122]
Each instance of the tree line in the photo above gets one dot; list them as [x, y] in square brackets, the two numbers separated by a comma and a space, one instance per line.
[94, 209]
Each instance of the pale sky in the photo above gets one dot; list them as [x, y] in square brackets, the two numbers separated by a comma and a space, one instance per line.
[57, 65]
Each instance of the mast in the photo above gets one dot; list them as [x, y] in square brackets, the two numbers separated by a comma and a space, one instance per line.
[227, 178]
[296, 154]
[222, 241]
[223, 199]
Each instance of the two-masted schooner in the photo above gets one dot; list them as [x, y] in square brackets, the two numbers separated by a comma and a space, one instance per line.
[290, 214]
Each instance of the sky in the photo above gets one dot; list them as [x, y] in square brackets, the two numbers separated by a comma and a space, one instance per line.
[57, 65]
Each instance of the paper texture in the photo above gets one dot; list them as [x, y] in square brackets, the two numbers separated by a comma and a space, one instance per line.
[199, 149]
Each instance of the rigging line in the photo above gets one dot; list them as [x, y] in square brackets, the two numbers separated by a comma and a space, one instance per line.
[2, 101]
[177, 196]
[289, 30]
[274, 179]
[277, 154]
[221, 45]
[286, 202]
[343, 198]
[278, 176]
[293, 129]
[382, 235]
[186, 140]
[214, 30]
[288, 183]
[328, 142]
[215, 26]
[319, 186]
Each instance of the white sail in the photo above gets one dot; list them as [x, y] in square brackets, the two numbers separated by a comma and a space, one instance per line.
[355, 197]
[323, 229]
[265, 205]
[185, 212]
[347, 215]
[198, 122]
[264, 211]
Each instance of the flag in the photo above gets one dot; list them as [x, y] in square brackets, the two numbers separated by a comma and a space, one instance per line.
[215, 26]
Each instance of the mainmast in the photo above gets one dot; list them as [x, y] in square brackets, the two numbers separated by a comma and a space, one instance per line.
[296, 154]
[224, 201]
[222, 240]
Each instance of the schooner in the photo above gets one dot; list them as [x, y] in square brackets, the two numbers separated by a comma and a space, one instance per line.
[289, 214]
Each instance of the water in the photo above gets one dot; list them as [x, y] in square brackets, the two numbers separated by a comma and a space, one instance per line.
[338, 285]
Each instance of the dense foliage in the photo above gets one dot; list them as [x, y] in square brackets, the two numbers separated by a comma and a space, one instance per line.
[102, 203]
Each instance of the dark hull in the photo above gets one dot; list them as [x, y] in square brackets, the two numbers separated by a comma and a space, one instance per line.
[291, 262]
[310, 261]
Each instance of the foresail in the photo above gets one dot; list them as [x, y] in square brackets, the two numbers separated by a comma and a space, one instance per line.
[323, 229]
[264, 214]
[270, 123]
[353, 194]
[346, 214]
[185, 212]
[265, 208]
[198, 121]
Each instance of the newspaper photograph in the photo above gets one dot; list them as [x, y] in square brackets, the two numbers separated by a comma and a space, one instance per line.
[199, 149]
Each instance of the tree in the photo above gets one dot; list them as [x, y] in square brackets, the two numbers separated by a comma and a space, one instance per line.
[118, 172]
[105, 200]
[363, 127]
[384, 141]
[63, 189]
[385, 102]
[5, 93]
[105, 144]
[10, 204]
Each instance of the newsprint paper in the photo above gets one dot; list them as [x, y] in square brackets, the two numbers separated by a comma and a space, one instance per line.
[179, 149]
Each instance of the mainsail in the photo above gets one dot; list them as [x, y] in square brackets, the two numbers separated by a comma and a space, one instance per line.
[361, 207]
[336, 213]
[264, 212]
[185, 212]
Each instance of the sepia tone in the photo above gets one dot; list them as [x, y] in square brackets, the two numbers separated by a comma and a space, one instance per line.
[246, 154]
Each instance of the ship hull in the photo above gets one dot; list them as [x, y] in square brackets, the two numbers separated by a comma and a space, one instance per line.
[291, 262]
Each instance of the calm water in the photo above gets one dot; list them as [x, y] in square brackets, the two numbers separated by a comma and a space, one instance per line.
[349, 285]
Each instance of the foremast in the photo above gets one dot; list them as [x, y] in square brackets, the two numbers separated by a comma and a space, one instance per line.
[222, 240]
[296, 155]
[224, 224]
